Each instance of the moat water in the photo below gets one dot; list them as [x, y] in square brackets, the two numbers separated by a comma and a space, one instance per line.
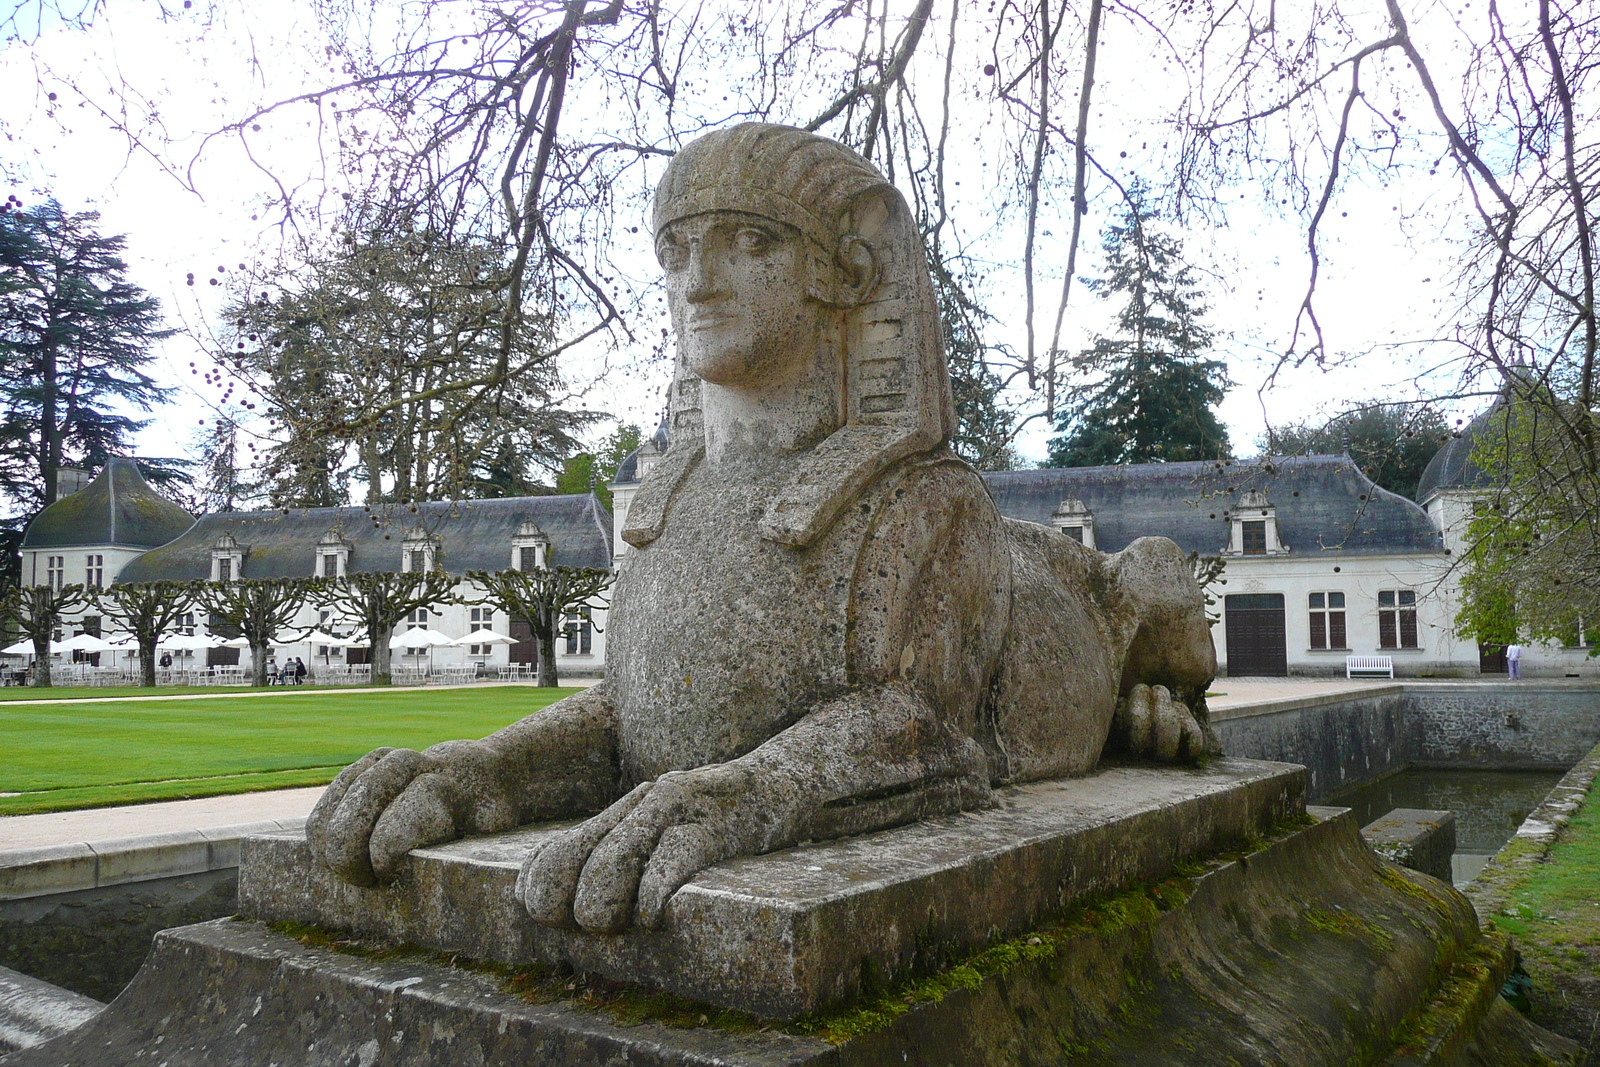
[1488, 806]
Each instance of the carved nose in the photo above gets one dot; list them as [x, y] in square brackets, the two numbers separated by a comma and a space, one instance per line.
[702, 276]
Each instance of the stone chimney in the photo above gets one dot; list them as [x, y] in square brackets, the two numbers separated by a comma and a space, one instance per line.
[69, 480]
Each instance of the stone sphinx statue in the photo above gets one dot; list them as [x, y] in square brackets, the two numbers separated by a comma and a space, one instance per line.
[825, 626]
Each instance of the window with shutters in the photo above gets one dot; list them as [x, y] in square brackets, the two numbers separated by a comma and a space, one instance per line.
[1327, 621]
[1397, 618]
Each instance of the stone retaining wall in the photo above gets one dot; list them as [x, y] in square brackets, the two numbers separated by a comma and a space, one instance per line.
[1345, 740]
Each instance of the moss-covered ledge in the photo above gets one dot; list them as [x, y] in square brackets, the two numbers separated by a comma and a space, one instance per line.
[1541, 889]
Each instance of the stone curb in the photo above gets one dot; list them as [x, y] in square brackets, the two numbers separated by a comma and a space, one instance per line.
[1542, 828]
[49, 869]
[1401, 687]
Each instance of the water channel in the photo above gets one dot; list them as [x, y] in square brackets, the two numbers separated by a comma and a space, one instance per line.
[1488, 806]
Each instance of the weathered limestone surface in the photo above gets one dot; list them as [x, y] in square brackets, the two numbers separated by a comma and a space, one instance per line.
[825, 626]
[1308, 952]
[801, 930]
[1415, 838]
[32, 1012]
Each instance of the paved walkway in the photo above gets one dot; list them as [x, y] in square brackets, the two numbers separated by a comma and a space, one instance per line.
[1234, 692]
[135, 820]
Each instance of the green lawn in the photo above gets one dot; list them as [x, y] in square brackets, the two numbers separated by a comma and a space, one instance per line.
[92, 753]
[1552, 909]
[102, 692]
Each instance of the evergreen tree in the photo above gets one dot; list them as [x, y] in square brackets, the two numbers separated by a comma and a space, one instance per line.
[75, 337]
[1153, 392]
[1391, 443]
[985, 427]
[594, 470]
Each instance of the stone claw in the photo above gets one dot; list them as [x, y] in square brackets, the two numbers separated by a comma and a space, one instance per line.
[1154, 724]
[621, 867]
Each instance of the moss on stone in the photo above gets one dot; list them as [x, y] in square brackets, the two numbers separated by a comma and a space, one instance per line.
[1349, 924]
[1465, 991]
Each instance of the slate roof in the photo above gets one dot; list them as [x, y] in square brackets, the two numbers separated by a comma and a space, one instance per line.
[472, 535]
[1325, 505]
[627, 470]
[117, 508]
[1451, 467]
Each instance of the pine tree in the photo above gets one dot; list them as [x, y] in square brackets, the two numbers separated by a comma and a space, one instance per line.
[75, 335]
[1153, 392]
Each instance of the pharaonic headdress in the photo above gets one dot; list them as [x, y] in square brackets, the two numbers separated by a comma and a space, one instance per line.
[896, 387]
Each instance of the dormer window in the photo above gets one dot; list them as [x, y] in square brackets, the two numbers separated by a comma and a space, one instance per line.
[333, 556]
[530, 548]
[227, 559]
[419, 552]
[1253, 527]
[1074, 520]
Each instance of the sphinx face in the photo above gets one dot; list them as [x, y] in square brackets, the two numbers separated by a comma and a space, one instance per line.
[738, 290]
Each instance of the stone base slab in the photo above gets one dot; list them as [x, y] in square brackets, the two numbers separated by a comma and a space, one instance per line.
[1307, 952]
[800, 930]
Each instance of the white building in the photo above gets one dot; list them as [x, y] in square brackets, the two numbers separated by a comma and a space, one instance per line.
[117, 528]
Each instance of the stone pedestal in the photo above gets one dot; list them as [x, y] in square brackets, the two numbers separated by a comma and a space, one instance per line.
[812, 927]
[1138, 916]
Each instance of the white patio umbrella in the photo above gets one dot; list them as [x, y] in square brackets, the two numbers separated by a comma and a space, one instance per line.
[484, 637]
[188, 642]
[236, 642]
[353, 641]
[21, 648]
[319, 637]
[423, 637]
[82, 643]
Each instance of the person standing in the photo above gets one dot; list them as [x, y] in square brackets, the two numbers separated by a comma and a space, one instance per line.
[1514, 661]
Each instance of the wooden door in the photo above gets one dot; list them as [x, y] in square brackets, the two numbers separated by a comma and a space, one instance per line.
[1491, 659]
[526, 650]
[1256, 634]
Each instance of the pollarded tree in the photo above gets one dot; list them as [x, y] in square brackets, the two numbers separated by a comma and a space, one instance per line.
[542, 598]
[148, 610]
[36, 611]
[258, 608]
[1154, 392]
[379, 601]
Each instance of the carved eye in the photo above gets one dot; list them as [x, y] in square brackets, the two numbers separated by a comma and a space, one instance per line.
[753, 242]
[671, 253]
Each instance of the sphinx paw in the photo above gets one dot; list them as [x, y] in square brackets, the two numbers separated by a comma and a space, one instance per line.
[1152, 723]
[621, 867]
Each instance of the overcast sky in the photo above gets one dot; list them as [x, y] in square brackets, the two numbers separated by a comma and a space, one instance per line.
[1381, 291]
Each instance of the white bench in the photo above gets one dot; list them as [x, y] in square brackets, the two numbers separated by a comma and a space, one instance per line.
[1369, 666]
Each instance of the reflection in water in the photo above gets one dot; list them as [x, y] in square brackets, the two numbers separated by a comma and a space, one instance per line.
[1488, 806]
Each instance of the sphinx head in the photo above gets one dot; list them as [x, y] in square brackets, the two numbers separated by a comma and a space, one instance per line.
[756, 229]
[804, 311]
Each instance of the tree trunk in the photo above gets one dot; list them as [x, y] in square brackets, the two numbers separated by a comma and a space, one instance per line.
[547, 675]
[381, 655]
[258, 663]
[147, 662]
[41, 663]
